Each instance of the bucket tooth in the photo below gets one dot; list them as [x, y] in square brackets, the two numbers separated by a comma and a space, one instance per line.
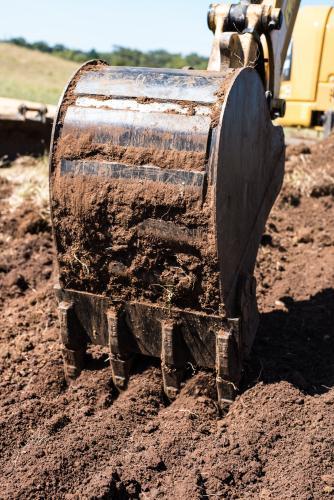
[73, 363]
[170, 372]
[227, 364]
[119, 361]
[74, 349]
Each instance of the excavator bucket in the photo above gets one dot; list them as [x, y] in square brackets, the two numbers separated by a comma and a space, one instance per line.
[161, 184]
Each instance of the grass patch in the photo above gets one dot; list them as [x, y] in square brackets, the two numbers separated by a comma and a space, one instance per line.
[32, 75]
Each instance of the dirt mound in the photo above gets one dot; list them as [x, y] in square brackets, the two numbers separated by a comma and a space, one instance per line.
[86, 441]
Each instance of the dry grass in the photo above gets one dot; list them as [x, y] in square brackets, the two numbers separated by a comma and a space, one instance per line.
[307, 180]
[30, 180]
[32, 75]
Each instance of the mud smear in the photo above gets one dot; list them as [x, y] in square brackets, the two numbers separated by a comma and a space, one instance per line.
[118, 237]
[136, 259]
[74, 148]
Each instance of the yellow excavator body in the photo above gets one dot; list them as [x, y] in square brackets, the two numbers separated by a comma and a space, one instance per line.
[308, 74]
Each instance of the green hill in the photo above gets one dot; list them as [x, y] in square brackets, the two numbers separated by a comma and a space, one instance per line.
[32, 75]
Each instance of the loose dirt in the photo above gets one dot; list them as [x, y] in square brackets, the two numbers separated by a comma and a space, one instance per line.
[86, 441]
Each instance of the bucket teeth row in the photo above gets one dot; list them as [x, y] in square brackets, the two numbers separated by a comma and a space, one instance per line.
[172, 362]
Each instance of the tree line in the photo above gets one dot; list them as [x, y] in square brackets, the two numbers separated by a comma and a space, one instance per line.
[119, 56]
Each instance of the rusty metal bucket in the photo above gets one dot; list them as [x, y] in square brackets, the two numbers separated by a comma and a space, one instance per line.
[161, 183]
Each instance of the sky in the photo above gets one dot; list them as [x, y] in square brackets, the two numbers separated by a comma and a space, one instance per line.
[174, 25]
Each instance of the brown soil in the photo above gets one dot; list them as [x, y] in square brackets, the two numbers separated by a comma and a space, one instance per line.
[86, 441]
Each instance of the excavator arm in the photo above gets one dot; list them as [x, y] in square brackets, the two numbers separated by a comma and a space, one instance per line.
[280, 40]
[254, 35]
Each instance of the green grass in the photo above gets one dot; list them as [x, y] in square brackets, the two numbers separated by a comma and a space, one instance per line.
[32, 75]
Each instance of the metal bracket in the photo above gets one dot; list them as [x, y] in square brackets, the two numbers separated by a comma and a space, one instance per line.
[277, 107]
[120, 363]
[41, 112]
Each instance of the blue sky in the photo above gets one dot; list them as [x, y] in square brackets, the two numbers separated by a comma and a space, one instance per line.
[175, 25]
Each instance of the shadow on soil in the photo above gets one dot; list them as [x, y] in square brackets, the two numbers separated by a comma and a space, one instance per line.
[296, 345]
